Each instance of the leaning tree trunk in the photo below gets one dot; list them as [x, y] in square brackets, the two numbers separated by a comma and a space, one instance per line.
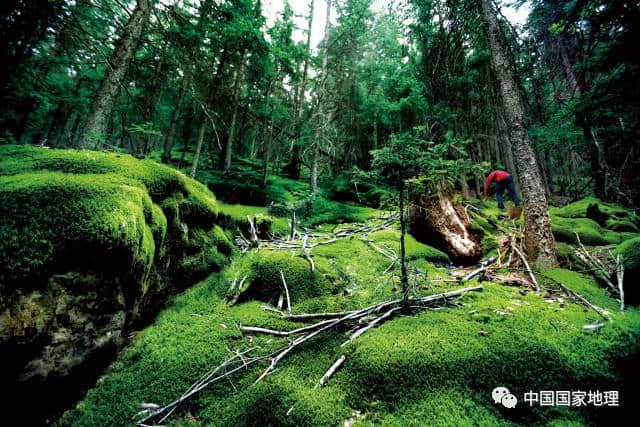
[539, 240]
[436, 221]
[95, 126]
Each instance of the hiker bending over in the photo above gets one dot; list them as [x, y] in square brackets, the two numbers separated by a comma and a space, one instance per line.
[503, 180]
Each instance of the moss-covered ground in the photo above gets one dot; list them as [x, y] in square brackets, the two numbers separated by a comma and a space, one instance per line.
[71, 210]
[432, 368]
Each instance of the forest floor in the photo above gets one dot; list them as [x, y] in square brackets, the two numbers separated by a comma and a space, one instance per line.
[435, 367]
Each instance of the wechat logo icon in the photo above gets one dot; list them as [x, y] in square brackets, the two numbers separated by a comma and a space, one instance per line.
[503, 396]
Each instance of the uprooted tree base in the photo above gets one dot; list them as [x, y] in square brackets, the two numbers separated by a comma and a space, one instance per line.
[437, 221]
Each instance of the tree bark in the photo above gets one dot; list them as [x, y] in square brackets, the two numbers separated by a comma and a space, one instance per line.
[228, 148]
[95, 126]
[173, 125]
[403, 265]
[583, 118]
[293, 168]
[213, 91]
[320, 107]
[539, 240]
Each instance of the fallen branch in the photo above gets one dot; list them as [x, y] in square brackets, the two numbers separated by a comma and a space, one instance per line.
[620, 277]
[526, 265]
[286, 289]
[596, 265]
[332, 370]
[371, 324]
[483, 267]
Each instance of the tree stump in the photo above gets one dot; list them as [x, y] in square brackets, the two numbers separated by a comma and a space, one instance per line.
[438, 222]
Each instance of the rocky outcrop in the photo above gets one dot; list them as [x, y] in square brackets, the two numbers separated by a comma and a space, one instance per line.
[93, 244]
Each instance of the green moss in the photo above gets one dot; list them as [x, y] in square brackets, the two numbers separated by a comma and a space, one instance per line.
[69, 210]
[582, 285]
[629, 252]
[414, 250]
[590, 232]
[564, 252]
[264, 282]
[448, 406]
[433, 368]
[579, 208]
[621, 225]
[235, 217]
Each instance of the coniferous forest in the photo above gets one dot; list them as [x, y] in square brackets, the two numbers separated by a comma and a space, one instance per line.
[319, 212]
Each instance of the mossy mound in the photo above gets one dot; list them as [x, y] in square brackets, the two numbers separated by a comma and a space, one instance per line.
[581, 208]
[264, 282]
[414, 250]
[92, 243]
[596, 222]
[64, 209]
[234, 217]
[589, 231]
[629, 252]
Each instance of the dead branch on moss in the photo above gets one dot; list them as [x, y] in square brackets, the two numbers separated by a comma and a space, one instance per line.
[579, 299]
[483, 267]
[305, 242]
[526, 265]
[332, 370]
[620, 277]
[391, 308]
[604, 272]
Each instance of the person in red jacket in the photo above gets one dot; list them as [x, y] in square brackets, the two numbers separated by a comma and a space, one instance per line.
[503, 181]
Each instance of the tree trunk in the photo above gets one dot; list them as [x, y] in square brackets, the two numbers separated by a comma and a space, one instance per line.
[228, 148]
[320, 96]
[583, 118]
[173, 124]
[293, 168]
[151, 98]
[196, 156]
[539, 240]
[403, 264]
[213, 90]
[95, 126]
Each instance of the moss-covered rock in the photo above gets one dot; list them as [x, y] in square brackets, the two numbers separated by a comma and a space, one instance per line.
[596, 222]
[105, 236]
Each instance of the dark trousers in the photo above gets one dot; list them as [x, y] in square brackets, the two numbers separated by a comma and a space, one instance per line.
[509, 185]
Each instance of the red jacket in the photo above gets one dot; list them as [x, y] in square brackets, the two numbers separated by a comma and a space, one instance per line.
[496, 176]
